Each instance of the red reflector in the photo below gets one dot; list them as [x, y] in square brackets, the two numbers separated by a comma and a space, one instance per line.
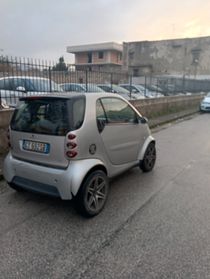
[71, 136]
[71, 145]
[71, 154]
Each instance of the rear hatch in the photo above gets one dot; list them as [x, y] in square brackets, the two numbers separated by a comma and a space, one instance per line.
[38, 130]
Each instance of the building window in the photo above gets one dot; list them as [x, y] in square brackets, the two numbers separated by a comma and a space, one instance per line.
[89, 57]
[100, 54]
[195, 56]
[135, 72]
[131, 55]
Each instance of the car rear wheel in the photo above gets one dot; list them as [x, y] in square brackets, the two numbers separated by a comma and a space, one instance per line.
[93, 194]
[148, 162]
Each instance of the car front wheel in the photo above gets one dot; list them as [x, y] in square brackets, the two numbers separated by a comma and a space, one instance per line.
[93, 194]
[148, 162]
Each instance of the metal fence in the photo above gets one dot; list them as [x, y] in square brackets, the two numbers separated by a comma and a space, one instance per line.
[19, 77]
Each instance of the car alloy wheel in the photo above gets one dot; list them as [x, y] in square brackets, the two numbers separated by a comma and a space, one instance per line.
[148, 162]
[94, 193]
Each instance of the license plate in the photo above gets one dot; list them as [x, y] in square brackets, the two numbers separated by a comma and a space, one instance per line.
[36, 146]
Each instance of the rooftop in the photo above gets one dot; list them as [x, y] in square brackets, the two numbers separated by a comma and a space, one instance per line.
[95, 47]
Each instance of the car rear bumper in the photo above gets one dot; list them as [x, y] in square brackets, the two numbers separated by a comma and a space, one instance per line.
[63, 183]
[37, 178]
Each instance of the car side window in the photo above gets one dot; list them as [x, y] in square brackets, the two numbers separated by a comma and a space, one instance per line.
[118, 111]
[100, 114]
[17, 82]
[5, 84]
[78, 113]
[77, 88]
[71, 87]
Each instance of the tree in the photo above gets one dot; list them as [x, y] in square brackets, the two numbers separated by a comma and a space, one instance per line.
[60, 66]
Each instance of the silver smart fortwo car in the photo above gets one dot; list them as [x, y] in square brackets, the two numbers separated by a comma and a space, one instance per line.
[69, 145]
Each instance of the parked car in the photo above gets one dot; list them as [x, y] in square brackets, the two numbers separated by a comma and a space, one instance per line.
[113, 88]
[72, 87]
[154, 88]
[13, 87]
[205, 103]
[155, 91]
[78, 87]
[69, 145]
[136, 90]
[169, 89]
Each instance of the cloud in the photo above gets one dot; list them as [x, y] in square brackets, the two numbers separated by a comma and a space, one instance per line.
[44, 28]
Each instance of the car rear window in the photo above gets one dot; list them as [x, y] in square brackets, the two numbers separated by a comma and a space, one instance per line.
[51, 116]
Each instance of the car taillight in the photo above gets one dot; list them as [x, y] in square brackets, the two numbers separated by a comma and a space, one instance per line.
[71, 146]
[71, 154]
[71, 136]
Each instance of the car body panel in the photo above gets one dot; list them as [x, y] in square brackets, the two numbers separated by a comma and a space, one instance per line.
[118, 138]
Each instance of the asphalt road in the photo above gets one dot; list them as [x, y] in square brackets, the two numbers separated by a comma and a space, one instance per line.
[155, 225]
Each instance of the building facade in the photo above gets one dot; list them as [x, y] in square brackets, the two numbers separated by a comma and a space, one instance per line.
[183, 57]
[105, 57]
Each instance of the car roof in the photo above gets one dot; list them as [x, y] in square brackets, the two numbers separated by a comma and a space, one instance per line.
[70, 83]
[69, 95]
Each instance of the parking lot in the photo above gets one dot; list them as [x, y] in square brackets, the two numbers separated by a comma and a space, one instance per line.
[154, 225]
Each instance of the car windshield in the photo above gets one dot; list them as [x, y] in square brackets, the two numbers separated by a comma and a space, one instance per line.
[140, 87]
[119, 89]
[134, 89]
[43, 85]
[92, 88]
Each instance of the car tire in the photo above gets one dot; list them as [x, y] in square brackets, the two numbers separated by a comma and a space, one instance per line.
[148, 162]
[93, 194]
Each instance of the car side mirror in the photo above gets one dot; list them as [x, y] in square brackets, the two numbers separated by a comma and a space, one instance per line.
[21, 89]
[143, 120]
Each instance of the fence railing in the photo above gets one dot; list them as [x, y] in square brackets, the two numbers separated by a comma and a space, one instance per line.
[19, 77]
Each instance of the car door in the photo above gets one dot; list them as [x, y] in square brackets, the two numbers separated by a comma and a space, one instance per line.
[122, 134]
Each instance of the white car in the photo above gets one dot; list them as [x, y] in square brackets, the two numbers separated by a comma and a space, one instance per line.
[136, 90]
[14, 87]
[205, 103]
[113, 88]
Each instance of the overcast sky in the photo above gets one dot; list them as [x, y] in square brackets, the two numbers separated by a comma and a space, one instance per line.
[44, 28]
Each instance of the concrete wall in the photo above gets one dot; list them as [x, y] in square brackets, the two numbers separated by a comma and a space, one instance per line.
[158, 111]
[5, 116]
[162, 110]
[179, 56]
[156, 107]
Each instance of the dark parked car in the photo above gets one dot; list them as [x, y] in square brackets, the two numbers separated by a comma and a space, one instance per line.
[11, 88]
[78, 87]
